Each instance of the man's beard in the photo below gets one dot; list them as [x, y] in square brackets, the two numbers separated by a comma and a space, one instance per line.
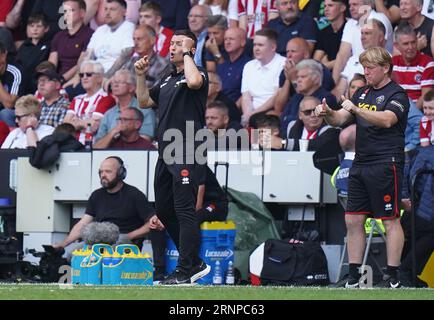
[109, 184]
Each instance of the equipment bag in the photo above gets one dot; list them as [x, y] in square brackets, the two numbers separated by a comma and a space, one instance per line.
[295, 264]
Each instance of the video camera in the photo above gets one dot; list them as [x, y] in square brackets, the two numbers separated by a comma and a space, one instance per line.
[51, 261]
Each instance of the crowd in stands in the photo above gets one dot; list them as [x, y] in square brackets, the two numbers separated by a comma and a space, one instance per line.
[263, 57]
[269, 62]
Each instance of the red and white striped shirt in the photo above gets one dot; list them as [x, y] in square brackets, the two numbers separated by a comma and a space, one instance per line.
[414, 76]
[85, 107]
[162, 43]
[257, 12]
[425, 130]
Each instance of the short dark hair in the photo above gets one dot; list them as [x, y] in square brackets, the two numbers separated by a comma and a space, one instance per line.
[45, 65]
[429, 96]
[151, 5]
[37, 17]
[187, 33]
[268, 121]
[81, 3]
[217, 104]
[123, 3]
[268, 33]
[65, 128]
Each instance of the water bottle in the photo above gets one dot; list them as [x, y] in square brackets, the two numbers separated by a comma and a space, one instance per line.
[230, 274]
[88, 137]
[217, 278]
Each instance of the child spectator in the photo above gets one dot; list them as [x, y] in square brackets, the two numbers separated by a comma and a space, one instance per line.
[33, 51]
[426, 136]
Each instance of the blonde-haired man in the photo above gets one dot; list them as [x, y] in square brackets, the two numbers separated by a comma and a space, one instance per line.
[27, 113]
[374, 189]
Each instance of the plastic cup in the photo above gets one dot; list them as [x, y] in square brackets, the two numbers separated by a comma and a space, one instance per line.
[304, 144]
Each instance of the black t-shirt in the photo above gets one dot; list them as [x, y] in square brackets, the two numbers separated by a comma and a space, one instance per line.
[426, 29]
[128, 208]
[27, 59]
[177, 104]
[381, 145]
[329, 41]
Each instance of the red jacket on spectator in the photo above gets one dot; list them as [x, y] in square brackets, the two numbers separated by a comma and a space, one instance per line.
[4, 131]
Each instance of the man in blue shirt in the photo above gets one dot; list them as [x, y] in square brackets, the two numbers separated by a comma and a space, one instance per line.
[123, 87]
[197, 23]
[290, 25]
[231, 70]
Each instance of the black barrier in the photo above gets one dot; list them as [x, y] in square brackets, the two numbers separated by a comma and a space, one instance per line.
[413, 222]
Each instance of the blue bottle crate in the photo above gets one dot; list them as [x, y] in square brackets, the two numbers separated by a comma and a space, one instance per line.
[217, 245]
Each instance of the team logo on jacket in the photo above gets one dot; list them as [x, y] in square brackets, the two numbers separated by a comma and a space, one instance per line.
[184, 174]
[387, 198]
[379, 100]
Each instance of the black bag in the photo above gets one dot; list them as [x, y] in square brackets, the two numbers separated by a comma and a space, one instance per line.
[294, 264]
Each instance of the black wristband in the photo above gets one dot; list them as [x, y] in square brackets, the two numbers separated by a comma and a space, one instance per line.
[188, 53]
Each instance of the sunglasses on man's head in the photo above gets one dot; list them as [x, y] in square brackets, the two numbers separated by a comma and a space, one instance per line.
[87, 74]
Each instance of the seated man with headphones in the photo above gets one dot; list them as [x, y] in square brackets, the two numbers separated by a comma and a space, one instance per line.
[116, 202]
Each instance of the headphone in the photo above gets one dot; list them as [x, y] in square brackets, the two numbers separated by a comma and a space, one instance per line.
[121, 174]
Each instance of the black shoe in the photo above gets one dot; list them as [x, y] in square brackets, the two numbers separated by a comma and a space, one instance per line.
[158, 277]
[176, 278]
[352, 283]
[389, 282]
[199, 271]
[341, 283]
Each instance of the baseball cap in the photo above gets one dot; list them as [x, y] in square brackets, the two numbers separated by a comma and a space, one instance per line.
[50, 74]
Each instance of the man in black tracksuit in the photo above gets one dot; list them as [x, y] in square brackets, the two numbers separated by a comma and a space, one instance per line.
[181, 99]
[380, 111]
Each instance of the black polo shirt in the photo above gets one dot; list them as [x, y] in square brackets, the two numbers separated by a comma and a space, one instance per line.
[27, 59]
[375, 144]
[329, 41]
[177, 104]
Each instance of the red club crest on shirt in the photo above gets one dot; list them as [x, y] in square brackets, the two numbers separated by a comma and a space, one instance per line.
[387, 198]
[184, 173]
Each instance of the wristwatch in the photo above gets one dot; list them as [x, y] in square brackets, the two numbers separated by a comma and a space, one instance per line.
[188, 53]
[283, 144]
[217, 56]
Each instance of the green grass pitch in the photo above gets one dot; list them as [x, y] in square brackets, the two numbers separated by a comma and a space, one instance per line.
[68, 292]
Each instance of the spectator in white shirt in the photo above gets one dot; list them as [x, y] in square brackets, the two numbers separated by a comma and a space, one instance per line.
[260, 80]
